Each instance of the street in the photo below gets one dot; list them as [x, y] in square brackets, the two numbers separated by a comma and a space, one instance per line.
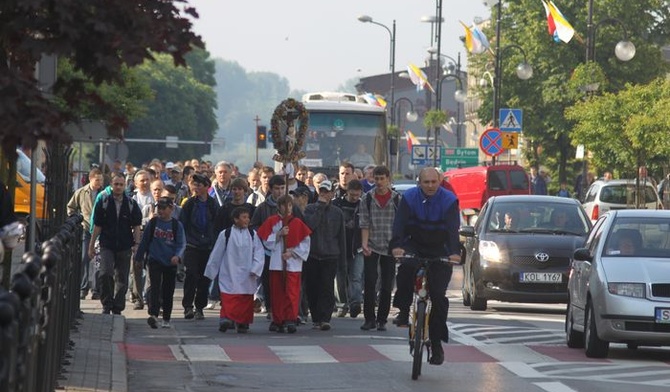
[510, 347]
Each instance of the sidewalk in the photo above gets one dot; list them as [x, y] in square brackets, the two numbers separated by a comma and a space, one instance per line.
[98, 361]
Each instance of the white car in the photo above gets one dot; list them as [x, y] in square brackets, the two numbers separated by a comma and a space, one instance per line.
[603, 196]
[619, 283]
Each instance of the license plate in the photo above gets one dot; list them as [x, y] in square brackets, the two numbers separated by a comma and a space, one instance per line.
[663, 315]
[540, 277]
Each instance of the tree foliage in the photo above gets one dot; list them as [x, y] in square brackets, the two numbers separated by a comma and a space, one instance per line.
[626, 129]
[100, 39]
[183, 106]
[559, 70]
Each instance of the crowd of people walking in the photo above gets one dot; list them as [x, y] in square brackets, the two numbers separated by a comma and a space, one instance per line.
[292, 244]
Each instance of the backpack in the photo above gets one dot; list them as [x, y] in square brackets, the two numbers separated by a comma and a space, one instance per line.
[227, 232]
[396, 200]
[152, 228]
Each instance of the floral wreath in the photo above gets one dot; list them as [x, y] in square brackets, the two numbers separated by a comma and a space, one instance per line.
[286, 140]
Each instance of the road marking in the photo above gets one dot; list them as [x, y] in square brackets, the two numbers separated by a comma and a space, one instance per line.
[302, 354]
[199, 353]
[522, 370]
[554, 387]
[515, 353]
[394, 352]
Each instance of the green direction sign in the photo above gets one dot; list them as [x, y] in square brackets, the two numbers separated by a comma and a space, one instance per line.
[459, 157]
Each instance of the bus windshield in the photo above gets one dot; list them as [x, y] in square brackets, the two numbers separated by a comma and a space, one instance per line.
[337, 136]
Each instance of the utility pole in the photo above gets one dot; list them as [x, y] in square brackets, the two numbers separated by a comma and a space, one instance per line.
[256, 120]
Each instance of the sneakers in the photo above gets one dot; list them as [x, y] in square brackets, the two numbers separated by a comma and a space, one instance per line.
[381, 326]
[153, 322]
[138, 305]
[401, 320]
[273, 327]
[242, 328]
[166, 324]
[325, 326]
[188, 313]
[199, 315]
[291, 328]
[368, 325]
[211, 305]
[316, 325]
[437, 354]
[342, 312]
[225, 324]
[355, 310]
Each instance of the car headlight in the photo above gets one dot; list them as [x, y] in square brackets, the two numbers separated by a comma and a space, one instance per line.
[489, 251]
[635, 290]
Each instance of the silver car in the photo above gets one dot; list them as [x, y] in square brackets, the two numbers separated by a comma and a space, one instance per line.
[619, 283]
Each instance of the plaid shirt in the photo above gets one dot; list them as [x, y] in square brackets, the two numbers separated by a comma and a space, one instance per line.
[379, 221]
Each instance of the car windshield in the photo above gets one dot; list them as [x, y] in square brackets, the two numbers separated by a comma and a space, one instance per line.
[638, 237]
[626, 194]
[543, 218]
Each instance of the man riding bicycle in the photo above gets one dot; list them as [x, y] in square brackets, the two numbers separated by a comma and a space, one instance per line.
[426, 225]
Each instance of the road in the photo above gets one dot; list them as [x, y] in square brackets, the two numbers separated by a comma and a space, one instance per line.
[510, 347]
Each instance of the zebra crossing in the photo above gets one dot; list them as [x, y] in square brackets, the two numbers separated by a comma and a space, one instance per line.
[482, 334]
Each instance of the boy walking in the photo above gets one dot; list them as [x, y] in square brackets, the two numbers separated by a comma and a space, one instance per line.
[237, 259]
[288, 238]
[163, 243]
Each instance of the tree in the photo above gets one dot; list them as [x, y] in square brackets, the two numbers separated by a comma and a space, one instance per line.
[549, 92]
[100, 39]
[182, 106]
[628, 129]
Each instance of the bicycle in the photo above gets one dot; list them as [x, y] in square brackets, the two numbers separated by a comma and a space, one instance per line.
[420, 313]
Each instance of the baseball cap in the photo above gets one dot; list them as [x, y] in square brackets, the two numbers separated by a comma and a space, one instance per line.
[327, 185]
[172, 166]
[201, 179]
[300, 191]
[164, 202]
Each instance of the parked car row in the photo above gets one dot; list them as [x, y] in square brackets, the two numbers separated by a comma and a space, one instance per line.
[613, 274]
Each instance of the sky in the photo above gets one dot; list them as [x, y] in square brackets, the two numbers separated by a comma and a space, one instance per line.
[319, 44]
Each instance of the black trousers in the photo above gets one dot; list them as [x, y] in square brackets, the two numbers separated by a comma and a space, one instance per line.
[439, 276]
[320, 288]
[387, 272]
[162, 278]
[196, 284]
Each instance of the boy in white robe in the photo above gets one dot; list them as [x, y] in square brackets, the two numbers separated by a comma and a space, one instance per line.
[237, 258]
[288, 238]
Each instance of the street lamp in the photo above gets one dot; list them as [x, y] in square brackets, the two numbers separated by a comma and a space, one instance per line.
[624, 51]
[410, 116]
[368, 19]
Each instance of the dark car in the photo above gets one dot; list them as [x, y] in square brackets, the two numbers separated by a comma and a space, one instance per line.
[520, 249]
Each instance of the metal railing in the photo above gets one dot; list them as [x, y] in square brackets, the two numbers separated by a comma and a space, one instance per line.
[39, 312]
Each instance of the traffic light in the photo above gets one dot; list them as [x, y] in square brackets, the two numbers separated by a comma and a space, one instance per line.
[261, 137]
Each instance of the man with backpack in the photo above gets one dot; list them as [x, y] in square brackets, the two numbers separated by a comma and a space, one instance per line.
[163, 243]
[197, 216]
[116, 220]
[378, 208]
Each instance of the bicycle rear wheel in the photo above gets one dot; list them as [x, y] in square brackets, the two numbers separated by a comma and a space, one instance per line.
[419, 326]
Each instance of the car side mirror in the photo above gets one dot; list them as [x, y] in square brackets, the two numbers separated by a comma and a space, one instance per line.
[582, 254]
[467, 231]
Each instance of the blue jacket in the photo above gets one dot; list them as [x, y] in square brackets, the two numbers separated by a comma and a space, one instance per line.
[427, 226]
[164, 243]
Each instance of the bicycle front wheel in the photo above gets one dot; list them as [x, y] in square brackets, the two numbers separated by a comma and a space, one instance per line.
[419, 326]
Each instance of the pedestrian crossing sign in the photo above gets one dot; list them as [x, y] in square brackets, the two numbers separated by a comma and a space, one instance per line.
[511, 120]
